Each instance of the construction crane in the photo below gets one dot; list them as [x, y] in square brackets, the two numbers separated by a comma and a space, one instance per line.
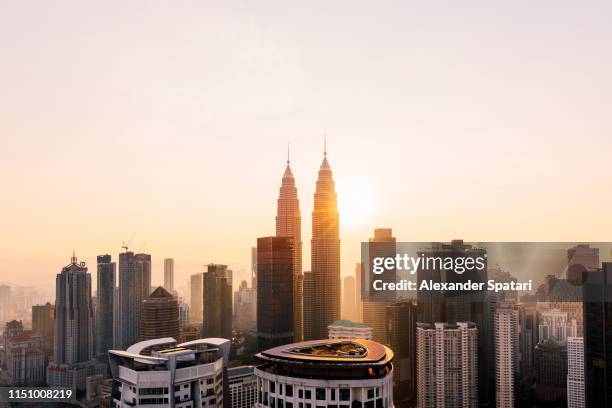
[126, 246]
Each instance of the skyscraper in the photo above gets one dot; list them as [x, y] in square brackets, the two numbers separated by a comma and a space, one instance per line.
[289, 224]
[325, 253]
[160, 316]
[551, 374]
[25, 359]
[143, 263]
[447, 365]
[130, 299]
[575, 372]
[197, 306]
[217, 292]
[401, 336]
[43, 324]
[106, 304]
[506, 354]
[275, 290]
[74, 331]
[382, 244]
[597, 339]
[169, 274]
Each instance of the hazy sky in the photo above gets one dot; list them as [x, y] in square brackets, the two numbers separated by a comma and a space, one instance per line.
[479, 120]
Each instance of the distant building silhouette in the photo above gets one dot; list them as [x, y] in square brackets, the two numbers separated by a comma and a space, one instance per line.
[196, 306]
[25, 359]
[349, 299]
[169, 274]
[309, 301]
[245, 308]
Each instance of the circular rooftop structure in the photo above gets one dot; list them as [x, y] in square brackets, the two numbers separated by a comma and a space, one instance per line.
[329, 358]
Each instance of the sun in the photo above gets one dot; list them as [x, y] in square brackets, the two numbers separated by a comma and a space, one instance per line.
[355, 201]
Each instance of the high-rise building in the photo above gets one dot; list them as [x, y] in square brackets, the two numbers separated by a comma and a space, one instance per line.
[289, 225]
[74, 331]
[346, 329]
[217, 292]
[245, 308]
[597, 295]
[551, 373]
[383, 244]
[43, 324]
[160, 316]
[25, 359]
[197, 306]
[275, 289]
[581, 258]
[553, 324]
[325, 253]
[134, 287]
[162, 373]
[575, 372]
[458, 306]
[506, 355]
[447, 365]
[358, 290]
[106, 304]
[309, 301]
[183, 315]
[318, 373]
[401, 338]
[242, 386]
[169, 274]
[349, 299]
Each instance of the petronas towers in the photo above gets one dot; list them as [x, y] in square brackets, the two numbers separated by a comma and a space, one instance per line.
[312, 318]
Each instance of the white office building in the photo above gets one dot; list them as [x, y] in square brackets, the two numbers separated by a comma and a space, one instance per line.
[575, 372]
[242, 386]
[324, 373]
[183, 315]
[447, 365]
[159, 373]
[346, 329]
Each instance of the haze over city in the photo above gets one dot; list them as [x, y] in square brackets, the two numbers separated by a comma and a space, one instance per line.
[443, 121]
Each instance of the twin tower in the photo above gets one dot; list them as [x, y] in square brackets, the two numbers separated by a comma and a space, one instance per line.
[316, 293]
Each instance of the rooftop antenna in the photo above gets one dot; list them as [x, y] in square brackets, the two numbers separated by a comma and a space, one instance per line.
[325, 145]
[287, 153]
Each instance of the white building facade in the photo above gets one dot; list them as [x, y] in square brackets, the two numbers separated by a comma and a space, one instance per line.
[575, 372]
[447, 365]
[186, 375]
[346, 329]
[356, 373]
[242, 386]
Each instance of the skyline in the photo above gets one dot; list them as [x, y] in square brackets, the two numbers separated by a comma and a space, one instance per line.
[467, 123]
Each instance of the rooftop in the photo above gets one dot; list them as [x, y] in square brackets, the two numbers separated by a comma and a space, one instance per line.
[348, 323]
[337, 351]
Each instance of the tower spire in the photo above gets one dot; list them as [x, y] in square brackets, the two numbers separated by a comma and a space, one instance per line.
[287, 153]
[325, 145]
[74, 258]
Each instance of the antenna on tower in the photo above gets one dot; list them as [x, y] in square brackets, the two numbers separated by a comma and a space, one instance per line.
[287, 152]
[325, 145]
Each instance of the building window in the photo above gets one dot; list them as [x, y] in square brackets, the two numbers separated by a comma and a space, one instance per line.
[345, 394]
[289, 390]
[371, 393]
[320, 394]
[300, 393]
[272, 387]
[308, 395]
